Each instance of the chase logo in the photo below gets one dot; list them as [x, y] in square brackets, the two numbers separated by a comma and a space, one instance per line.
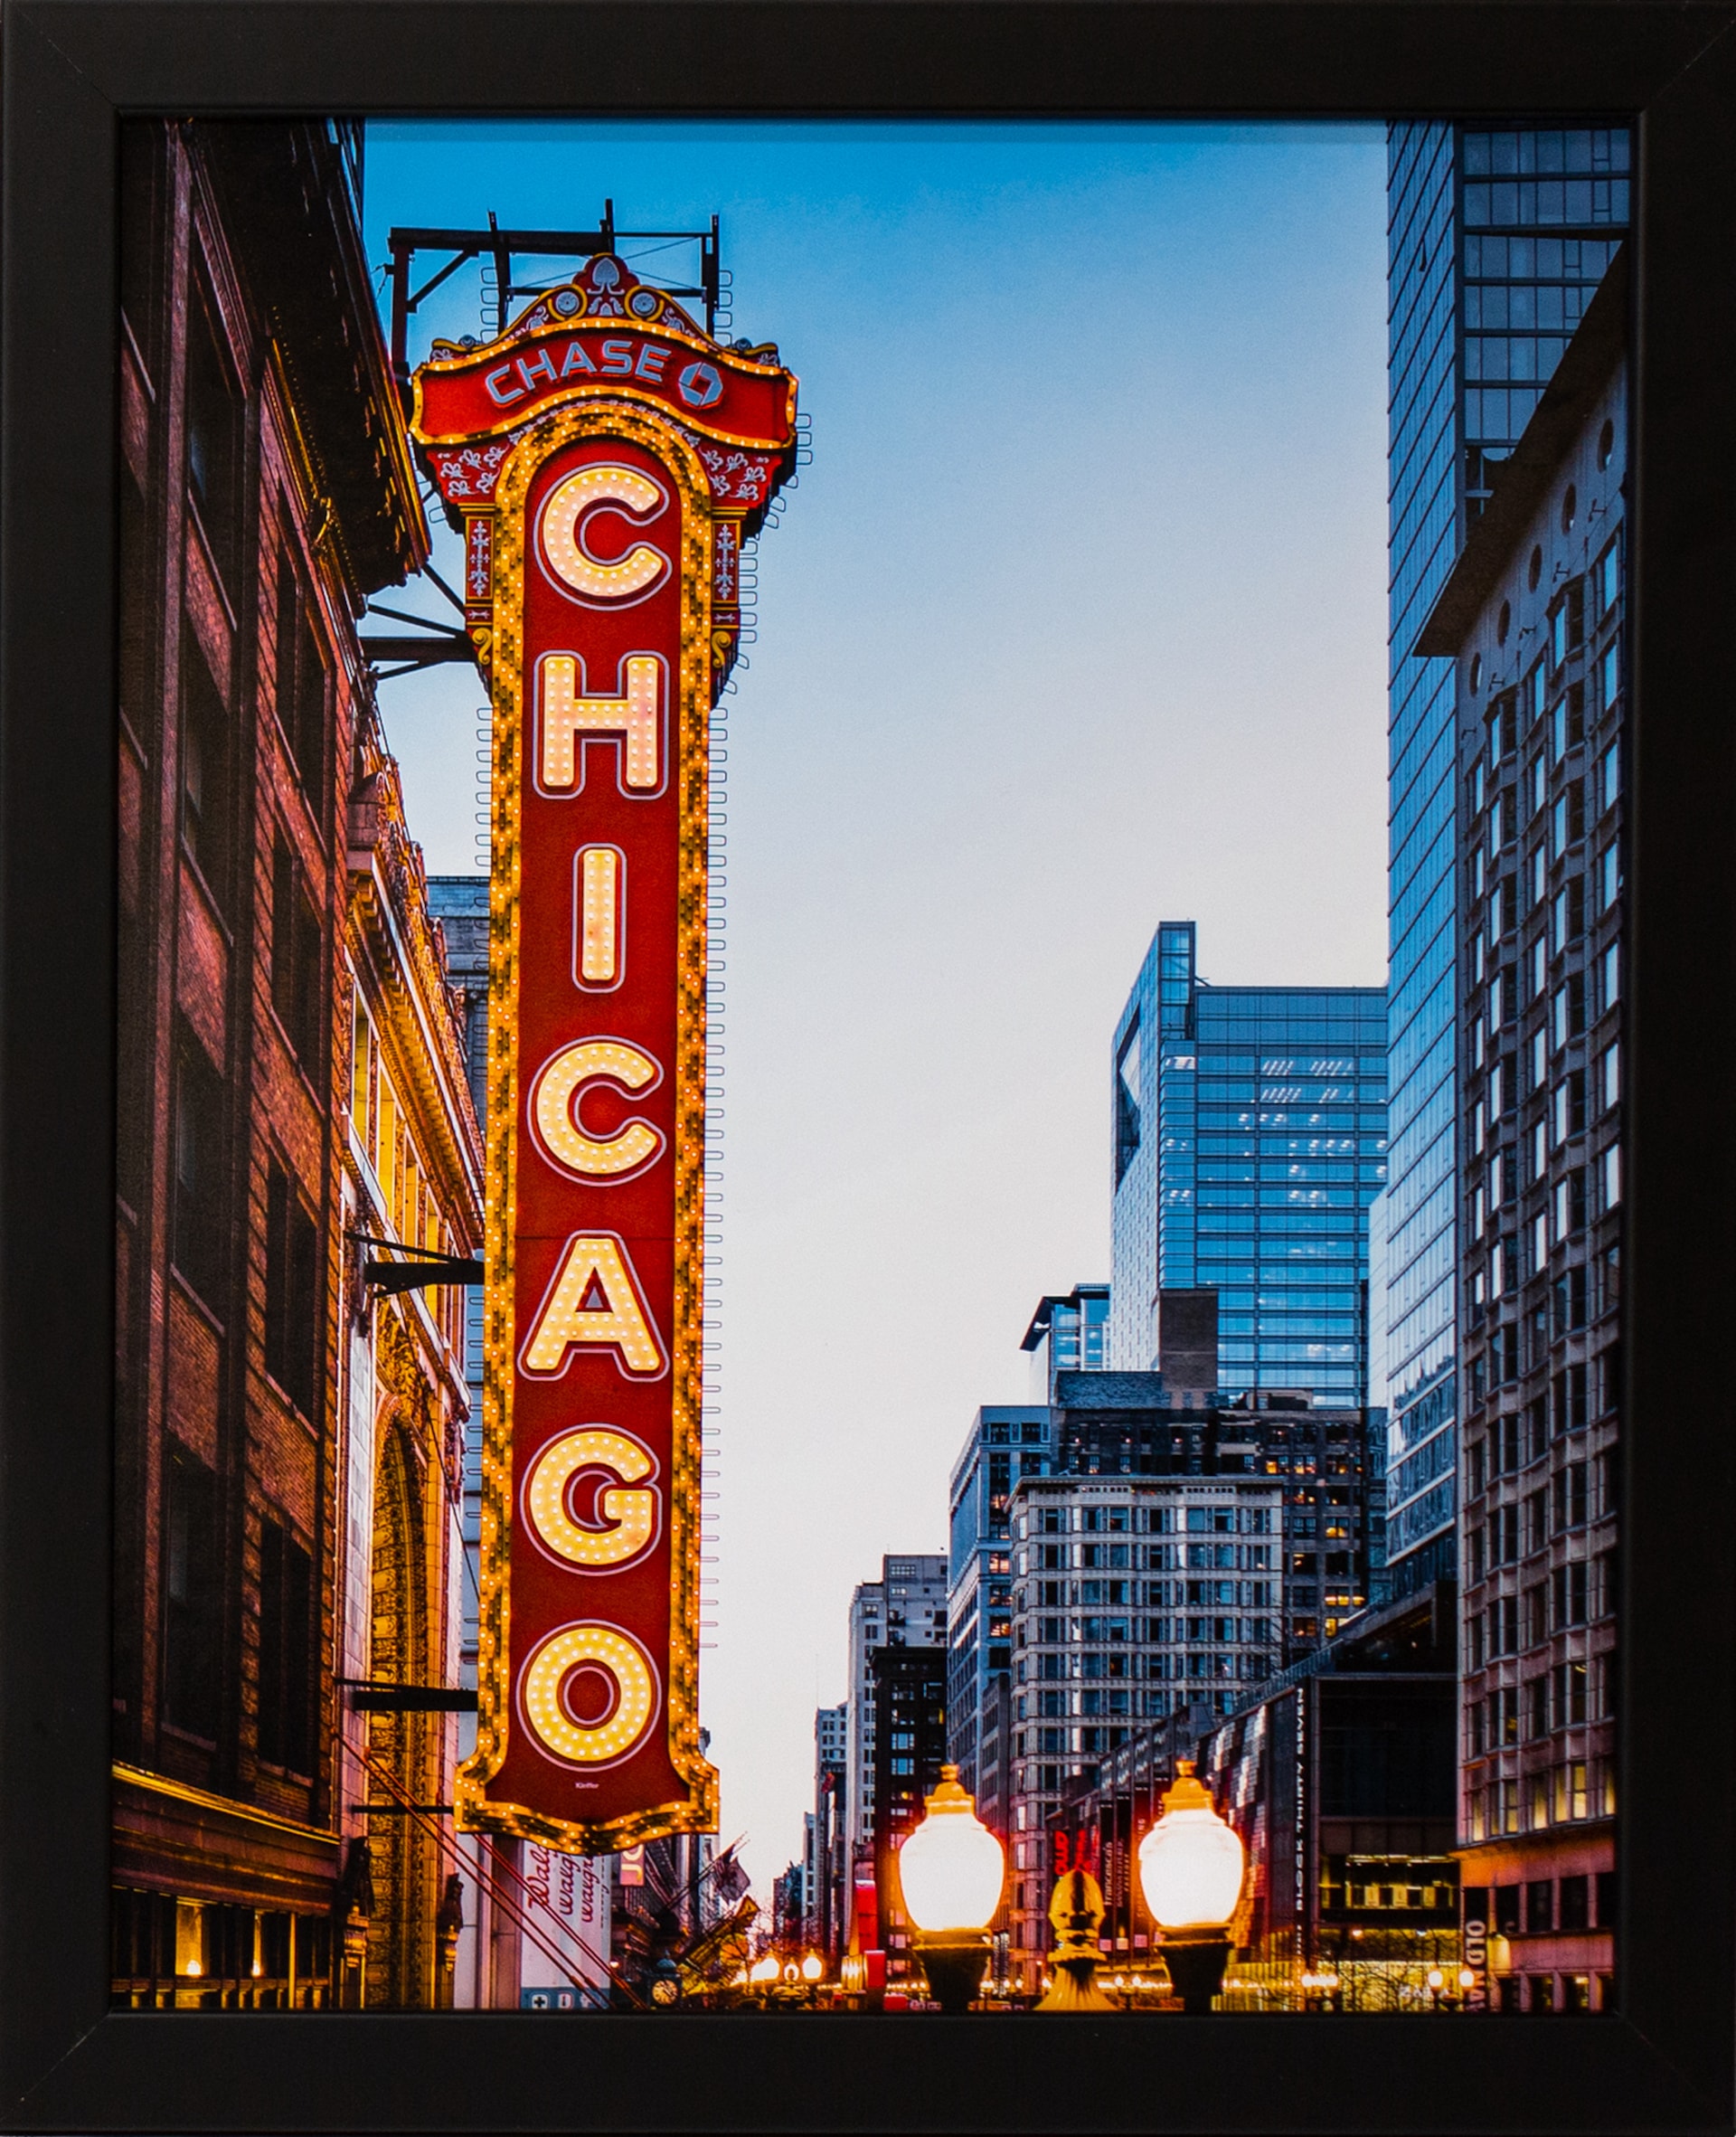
[699, 385]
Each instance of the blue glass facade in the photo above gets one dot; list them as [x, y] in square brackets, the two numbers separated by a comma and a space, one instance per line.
[1067, 1334]
[1496, 243]
[1250, 1139]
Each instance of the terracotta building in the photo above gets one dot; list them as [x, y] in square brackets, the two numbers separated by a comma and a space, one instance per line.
[290, 1075]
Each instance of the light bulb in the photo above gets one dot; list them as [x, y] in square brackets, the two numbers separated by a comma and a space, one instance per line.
[1191, 1862]
[952, 1868]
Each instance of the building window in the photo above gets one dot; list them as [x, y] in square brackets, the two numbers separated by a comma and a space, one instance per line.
[293, 1325]
[198, 1214]
[192, 1590]
[298, 988]
[285, 1649]
[206, 772]
[301, 675]
[1572, 1797]
[214, 439]
[1127, 1100]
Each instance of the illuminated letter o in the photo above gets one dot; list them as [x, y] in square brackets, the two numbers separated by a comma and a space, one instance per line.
[623, 1660]
[631, 1511]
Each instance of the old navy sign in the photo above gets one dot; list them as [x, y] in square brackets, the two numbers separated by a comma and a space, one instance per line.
[602, 530]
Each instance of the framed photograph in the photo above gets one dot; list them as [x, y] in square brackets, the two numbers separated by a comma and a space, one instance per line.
[525, 1498]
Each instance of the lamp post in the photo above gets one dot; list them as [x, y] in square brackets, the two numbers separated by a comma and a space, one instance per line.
[951, 1870]
[1076, 1915]
[1191, 1866]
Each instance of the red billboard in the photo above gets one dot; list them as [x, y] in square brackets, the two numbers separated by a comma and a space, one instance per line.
[606, 458]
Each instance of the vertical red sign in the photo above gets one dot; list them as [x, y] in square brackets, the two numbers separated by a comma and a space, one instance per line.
[606, 459]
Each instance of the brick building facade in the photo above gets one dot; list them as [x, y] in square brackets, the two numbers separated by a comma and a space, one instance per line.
[289, 1074]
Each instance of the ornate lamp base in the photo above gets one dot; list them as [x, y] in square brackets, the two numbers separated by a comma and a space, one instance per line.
[954, 1965]
[1196, 1967]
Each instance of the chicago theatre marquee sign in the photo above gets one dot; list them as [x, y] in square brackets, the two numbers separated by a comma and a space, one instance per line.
[606, 458]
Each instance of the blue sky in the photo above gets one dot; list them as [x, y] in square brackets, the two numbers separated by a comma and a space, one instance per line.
[1076, 622]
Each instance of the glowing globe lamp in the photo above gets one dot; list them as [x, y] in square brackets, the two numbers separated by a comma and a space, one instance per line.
[1191, 1861]
[1191, 1866]
[812, 1969]
[952, 1870]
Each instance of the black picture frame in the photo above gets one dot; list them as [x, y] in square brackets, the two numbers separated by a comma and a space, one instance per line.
[71, 69]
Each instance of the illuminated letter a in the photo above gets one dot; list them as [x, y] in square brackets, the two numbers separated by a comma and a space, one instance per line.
[593, 1303]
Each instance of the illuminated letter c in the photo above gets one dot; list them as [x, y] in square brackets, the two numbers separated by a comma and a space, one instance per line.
[560, 1082]
[570, 507]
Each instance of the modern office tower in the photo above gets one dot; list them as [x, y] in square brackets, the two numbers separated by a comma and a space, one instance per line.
[1531, 618]
[1250, 1139]
[1005, 1442]
[910, 1748]
[1068, 1333]
[831, 1758]
[1496, 243]
[906, 1607]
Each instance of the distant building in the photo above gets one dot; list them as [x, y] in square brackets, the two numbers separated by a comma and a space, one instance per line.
[1005, 1444]
[1249, 1140]
[1092, 1661]
[460, 904]
[906, 1607]
[909, 1747]
[788, 1918]
[1067, 1336]
[1534, 617]
[831, 1854]
[1068, 1333]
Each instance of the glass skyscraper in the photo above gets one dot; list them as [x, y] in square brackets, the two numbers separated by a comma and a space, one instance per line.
[1250, 1139]
[1496, 244]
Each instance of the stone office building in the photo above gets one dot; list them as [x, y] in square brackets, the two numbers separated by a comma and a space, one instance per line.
[289, 1077]
[1173, 1559]
[1534, 619]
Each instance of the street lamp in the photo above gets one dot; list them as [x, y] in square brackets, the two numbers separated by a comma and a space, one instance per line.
[952, 1869]
[812, 1969]
[1191, 1866]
